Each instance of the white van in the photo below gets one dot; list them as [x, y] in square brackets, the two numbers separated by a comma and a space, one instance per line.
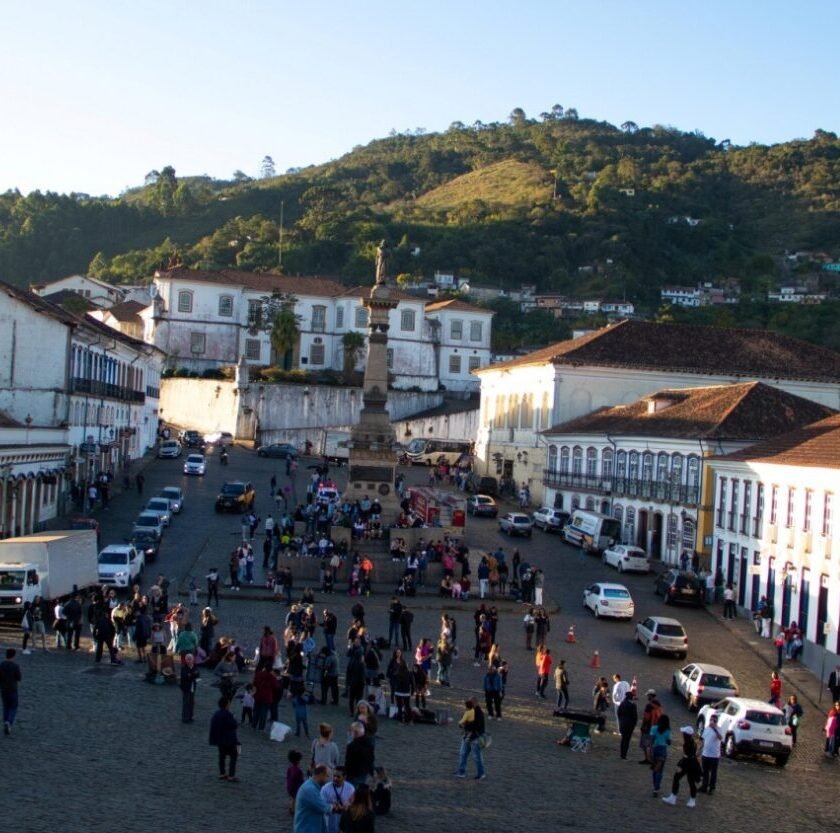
[592, 531]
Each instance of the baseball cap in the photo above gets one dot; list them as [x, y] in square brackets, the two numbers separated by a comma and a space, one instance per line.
[651, 691]
[687, 730]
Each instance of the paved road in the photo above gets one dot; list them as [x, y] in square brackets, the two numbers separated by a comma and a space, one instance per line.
[97, 748]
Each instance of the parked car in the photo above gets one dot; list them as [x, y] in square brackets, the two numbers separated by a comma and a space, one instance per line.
[284, 451]
[191, 439]
[482, 505]
[516, 523]
[550, 520]
[195, 464]
[627, 559]
[701, 683]
[175, 496]
[160, 506]
[169, 449]
[750, 727]
[658, 633]
[481, 485]
[235, 496]
[679, 587]
[147, 543]
[150, 521]
[605, 599]
[120, 565]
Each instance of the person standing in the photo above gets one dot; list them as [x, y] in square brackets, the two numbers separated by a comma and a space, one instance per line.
[213, 586]
[833, 684]
[358, 756]
[619, 691]
[793, 716]
[10, 677]
[493, 692]
[406, 620]
[223, 735]
[359, 816]
[729, 602]
[544, 662]
[688, 768]
[775, 690]
[660, 737]
[650, 715]
[39, 627]
[139, 480]
[712, 740]
[628, 717]
[528, 622]
[104, 636]
[189, 682]
[310, 805]
[561, 683]
[339, 794]
[73, 613]
[473, 725]
[394, 615]
[539, 583]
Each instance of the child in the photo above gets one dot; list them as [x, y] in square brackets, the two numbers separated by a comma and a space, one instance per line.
[301, 716]
[248, 705]
[294, 778]
[381, 793]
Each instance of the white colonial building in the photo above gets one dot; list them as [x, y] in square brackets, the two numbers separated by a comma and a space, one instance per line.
[620, 364]
[98, 292]
[776, 533]
[645, 463]
[204, 320]
[76, 398]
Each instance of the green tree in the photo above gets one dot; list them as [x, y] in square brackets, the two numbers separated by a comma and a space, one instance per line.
[267, 169]
[353, 343]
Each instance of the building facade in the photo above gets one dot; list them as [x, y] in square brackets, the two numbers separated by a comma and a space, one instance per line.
[98, 292]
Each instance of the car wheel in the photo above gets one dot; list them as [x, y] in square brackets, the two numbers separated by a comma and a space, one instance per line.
[729, 747]
[648, 650]
[782, 760]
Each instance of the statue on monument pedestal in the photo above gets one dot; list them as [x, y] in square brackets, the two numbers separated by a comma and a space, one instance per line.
[382, 263]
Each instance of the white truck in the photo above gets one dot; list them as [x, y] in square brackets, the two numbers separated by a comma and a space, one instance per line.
[50, 565]
[336, 447]
[591, 531]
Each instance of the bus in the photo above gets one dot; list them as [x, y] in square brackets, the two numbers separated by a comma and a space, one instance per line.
[434, 452]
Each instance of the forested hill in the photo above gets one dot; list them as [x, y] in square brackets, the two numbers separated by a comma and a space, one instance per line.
[525, 201]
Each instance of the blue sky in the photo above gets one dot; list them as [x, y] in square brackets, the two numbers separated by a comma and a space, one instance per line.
[95, 94]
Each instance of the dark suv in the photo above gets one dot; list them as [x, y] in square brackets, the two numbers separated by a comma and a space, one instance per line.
[192, 439]
[678, 587]
[482, 485]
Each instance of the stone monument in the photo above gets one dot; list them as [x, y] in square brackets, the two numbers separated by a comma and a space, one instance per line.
[373, 440]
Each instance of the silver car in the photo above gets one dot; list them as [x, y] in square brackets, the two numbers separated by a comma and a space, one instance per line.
[175, 496]
[516, 523]
[699, 682]
[160, 506]
[662, 635]
[149, 521]
[169, 448]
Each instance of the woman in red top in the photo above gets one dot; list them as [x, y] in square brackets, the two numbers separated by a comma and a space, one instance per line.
[265, 686]
[268, 649]
[775, 689]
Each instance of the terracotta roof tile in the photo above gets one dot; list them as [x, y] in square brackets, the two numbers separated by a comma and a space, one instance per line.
[645, 345]
[364, 292]
[126, 311]
[816, 445]
[263, 282]
[745, 411]
[456, 304]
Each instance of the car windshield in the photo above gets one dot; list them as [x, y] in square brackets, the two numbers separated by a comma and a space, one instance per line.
[143, 538]
[670, 630]
[113, 558]
[170, 494]
[685, 582]
[233, 489]
[718, 681]
[615, 593]
[765, 718]
[11, 579]
[159, 505]
[148, 520]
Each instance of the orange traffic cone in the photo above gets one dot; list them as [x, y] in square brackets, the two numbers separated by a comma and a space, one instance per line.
[596, 660]
[570, 637]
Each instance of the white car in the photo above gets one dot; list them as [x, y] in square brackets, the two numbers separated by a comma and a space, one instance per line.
[659, 633]
[195, 464]
[516, 523]
[169, 448]
[160, 506]
[550, 520]
[175, 496]
[750, 727]
[120, 565]
[149, 521]
[605, 599]
[699, 682]
[627, 559]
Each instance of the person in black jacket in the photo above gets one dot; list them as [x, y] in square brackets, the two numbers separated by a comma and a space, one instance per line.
[354, 675]
[104, 634]
[628, 717]
[223, 735]
[358, 756]
[473, 724]
[73, 611]
[189, 681]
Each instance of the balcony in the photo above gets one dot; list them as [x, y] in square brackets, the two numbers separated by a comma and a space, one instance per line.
[105, 390]
[658, 490]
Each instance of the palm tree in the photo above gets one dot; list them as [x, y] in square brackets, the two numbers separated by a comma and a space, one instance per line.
[284, 336]
[353, 343]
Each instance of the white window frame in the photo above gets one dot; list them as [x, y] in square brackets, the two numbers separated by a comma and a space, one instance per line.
[408, 320]
[225, 306]
[476, 330]
[185, 300]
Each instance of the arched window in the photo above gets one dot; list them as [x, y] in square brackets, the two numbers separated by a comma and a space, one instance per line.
[575, 502]
[633, 466]
[591, 462]
[185, 301]
[606, 463]
[577, 460]
[564, 459]
[689, 534]
[590, 503]
[630, 525]
[662, 467]
[361, 318]
[618, 512]
[647, 467]
[621, 464]
[552, 458]
[226, 306]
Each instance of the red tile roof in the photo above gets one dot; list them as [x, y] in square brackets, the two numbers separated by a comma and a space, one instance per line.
[645, 345]
[745, 411]
[364, 292]
[126, 311]
[456, 304]
[816, 445]
[263, 282]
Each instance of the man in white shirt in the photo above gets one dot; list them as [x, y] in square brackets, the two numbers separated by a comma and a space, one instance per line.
[619, 690]
[712, 739]
[338, 791]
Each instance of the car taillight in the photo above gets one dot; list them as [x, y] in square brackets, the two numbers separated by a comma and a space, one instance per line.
[672, 589]
[685, 639]
[788, 731]
[700, 688]
[656, 637]
[744, 724]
